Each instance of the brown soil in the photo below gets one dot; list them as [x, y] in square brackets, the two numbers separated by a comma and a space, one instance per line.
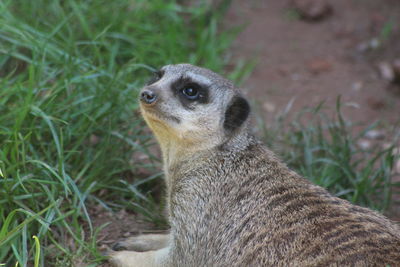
[312, 62]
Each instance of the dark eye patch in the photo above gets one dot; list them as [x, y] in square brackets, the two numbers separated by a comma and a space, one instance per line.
[184, 83]
[156, 77]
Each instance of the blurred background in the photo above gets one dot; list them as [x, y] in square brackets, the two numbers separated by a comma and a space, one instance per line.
[315, 50]
[78, 167]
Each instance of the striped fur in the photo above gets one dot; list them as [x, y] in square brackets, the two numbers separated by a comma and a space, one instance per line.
[231, 202]
[248, 209]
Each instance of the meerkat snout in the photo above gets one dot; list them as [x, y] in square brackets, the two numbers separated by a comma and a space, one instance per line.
[148, 97]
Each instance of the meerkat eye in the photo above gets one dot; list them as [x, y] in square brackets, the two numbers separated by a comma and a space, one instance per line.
[156, 77]
[191, 92]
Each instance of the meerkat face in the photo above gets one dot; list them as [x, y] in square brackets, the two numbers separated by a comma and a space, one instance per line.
[192, 104]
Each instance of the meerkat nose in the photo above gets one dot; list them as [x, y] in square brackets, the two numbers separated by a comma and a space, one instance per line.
[148, 97]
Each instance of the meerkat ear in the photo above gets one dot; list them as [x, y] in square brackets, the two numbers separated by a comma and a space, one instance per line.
[236, 113]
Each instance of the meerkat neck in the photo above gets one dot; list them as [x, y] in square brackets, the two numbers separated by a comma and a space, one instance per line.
[173, 151]
[177, 150]
[238, 141]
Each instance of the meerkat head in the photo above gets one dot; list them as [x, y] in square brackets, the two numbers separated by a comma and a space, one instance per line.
[192, 106]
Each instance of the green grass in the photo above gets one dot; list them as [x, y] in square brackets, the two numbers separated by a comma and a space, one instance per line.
[326, 151]
[69, 77]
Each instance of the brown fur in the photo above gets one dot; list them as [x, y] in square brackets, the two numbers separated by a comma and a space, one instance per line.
[231, 202]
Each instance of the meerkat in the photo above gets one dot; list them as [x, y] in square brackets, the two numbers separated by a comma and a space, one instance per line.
[231, 201]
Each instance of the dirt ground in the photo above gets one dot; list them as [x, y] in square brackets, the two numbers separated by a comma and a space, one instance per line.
[316, 61]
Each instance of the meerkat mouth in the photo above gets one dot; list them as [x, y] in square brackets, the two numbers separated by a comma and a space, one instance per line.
[159, 117]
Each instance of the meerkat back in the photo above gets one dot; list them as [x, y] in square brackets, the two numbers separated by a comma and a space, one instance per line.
[269, 216]
[231, 202]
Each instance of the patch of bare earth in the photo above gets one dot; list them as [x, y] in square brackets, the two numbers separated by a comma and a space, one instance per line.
[314, 61]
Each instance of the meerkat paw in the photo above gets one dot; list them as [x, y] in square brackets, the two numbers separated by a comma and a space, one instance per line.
[128, 259]
[138, 259]
[143, 243]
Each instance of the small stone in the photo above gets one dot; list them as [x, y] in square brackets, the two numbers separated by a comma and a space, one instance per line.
[268, 106]
[374, 43]
[352, 105]
[364, 144]
[375, 135]
[396, 152]
[357, 86]
[386, 71]
[317, 66]
[313, 10]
